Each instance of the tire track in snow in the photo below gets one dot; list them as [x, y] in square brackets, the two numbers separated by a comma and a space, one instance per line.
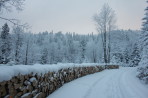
[89, 91]
[115, 91]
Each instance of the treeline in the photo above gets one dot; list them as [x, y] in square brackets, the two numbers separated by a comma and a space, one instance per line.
[21, 47]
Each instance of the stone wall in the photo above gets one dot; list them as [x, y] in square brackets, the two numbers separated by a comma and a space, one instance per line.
[42, 85]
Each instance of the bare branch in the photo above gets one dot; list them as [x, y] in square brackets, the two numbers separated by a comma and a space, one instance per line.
[16, 22]
[9, 4]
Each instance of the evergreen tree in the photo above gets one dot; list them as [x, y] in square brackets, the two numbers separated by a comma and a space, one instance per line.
[18, 44]
[126, 56]
[144, 41]
[135, 57]
[44, 57]
[5, 45]
[83, 50]
[145, 23]
[143, 71]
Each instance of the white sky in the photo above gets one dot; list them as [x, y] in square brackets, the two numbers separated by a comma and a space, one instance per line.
[77, 15]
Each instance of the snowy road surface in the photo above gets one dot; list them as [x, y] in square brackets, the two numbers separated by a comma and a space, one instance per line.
[116, 83]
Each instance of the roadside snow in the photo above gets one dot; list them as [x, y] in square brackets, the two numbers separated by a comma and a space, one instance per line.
[116, 83]
[7, 72]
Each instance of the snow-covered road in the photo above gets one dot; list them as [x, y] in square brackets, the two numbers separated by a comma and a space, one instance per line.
[116, 83]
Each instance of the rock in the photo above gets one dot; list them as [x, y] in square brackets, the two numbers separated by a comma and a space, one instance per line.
[3, 91]
[41, 95]
[12, 91]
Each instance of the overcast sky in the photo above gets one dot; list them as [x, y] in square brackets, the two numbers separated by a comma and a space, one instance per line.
[76, 15]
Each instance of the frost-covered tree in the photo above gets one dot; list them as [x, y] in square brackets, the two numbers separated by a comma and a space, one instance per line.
[5, 45]
[92, 51]
[144, 40]
[143, 71]
[126, 56]
[29, 49]
[105, 22]
[44, 56]
[18, 44]
[70, 48]
[135, 57]
[82, 50]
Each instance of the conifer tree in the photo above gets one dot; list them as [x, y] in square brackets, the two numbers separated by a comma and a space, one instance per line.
[82, 49]
[144, 40]
[135, 57]
[5, 45]
[44, 57]
[143, 71]
[18, 43]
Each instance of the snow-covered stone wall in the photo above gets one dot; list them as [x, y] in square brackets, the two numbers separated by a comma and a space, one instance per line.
[30, 83]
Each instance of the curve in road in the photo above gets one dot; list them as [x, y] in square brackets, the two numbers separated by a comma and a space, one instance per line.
[116, 83]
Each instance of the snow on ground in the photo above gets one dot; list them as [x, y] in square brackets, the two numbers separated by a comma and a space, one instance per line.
[7, 72]
[116, 83]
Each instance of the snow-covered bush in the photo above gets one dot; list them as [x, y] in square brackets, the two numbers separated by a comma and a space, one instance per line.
[143, 69]
[143, 74]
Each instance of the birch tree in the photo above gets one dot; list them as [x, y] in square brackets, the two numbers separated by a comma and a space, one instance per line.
[105, 22]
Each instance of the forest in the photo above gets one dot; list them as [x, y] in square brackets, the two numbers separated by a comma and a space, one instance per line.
[51, 47]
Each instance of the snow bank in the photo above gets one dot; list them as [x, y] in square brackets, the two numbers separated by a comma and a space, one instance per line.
[142, 74]
[7, 72]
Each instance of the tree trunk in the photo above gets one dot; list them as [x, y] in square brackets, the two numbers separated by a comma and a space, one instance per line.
[26, 58]
[105, 48]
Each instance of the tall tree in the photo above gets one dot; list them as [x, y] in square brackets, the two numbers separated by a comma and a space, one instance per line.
[28, 48]
[6, 45]
[143, 71]
[105, 22]
[82, 50]
[144, 40]
[18, 44]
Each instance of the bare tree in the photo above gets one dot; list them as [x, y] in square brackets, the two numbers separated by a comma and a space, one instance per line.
[8, 5]
[105, 22]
